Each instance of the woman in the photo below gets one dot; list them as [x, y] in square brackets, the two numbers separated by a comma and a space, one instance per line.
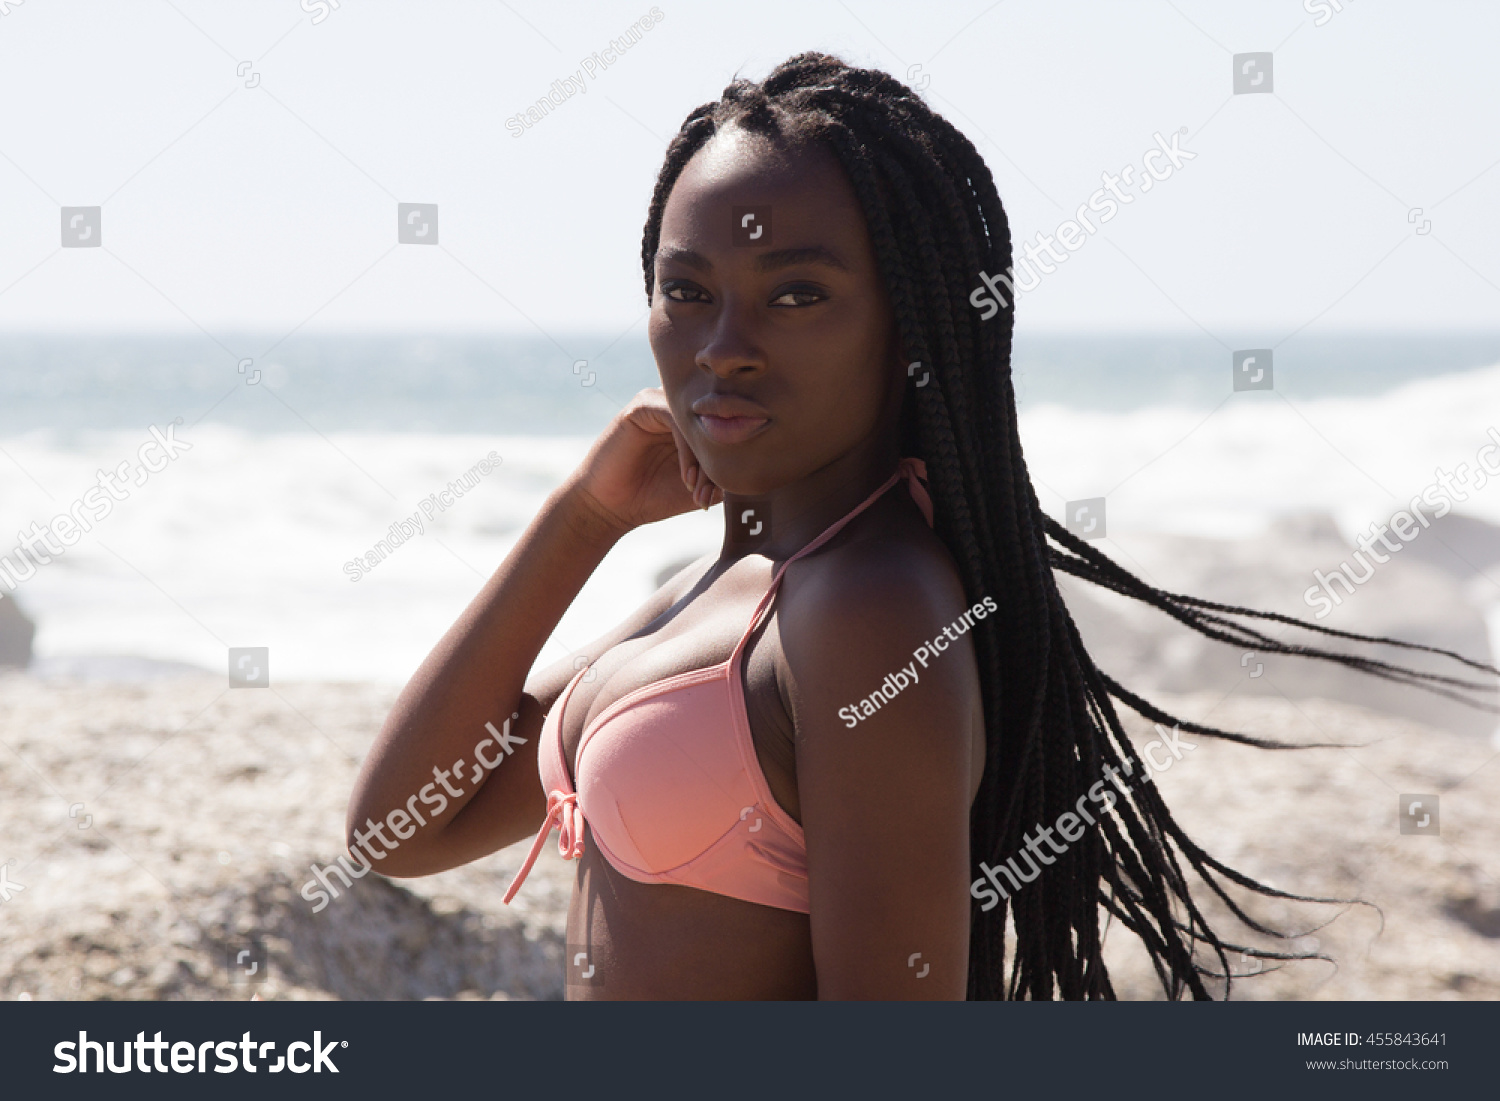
[780, 776]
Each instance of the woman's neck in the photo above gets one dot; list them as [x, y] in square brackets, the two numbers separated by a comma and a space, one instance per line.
[782, 522]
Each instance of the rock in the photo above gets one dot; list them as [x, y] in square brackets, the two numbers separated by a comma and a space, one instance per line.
[189, 822]
[1414, 597]
[16, 633]
[1461, 545]
[1325, 822]
[112, 667]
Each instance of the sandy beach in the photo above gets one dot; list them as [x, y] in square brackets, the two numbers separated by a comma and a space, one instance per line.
[202, 809]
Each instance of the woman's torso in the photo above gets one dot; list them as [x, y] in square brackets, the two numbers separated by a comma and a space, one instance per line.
[652, 940]
[640, 940]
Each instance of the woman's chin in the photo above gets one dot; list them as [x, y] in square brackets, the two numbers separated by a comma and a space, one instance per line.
[740, 480]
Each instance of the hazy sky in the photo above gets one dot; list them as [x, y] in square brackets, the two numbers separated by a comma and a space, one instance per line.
[228, 206]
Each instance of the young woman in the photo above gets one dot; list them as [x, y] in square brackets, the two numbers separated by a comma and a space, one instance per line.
[781, 776]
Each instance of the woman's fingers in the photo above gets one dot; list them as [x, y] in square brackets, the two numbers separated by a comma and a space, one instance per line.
[651, 414]
[689, 464]
[693, 475]
[705, 493]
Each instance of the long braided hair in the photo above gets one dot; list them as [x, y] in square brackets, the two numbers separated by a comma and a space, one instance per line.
[1050, 724]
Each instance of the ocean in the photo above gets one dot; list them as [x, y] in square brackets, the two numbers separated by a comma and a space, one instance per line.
[300, 462]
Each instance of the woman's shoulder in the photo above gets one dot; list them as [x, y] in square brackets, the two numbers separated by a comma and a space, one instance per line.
[887, 606]
[881, 577]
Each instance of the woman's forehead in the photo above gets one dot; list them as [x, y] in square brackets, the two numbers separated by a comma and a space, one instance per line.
[801, 183]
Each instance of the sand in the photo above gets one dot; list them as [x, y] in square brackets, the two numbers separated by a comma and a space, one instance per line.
[203, 807]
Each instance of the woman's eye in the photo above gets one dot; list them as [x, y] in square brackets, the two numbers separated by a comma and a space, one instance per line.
[684, 292]
[798, 296]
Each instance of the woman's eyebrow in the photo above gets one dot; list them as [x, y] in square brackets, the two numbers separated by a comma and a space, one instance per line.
[672, 254]
[789, 257]
[774, 260]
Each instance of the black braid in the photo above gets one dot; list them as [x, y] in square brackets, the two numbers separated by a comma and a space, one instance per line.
[1051, 729]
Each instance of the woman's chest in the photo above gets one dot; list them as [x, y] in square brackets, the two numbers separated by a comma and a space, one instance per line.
[694, 687]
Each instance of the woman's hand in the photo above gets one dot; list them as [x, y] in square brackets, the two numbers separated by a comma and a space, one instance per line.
[641, 470]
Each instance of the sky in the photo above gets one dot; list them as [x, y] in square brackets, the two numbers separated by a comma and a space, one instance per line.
[249, 158]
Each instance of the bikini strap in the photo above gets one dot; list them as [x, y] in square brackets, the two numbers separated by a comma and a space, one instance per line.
[915, 473]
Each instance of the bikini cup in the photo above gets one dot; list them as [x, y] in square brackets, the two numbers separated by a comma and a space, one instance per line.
[668, 783]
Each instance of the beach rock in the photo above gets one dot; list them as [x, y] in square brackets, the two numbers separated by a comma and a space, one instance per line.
[16, 633]
[179, 824]
[111, 667]
[1326, 822]
[1464, 546]
[1420, 598]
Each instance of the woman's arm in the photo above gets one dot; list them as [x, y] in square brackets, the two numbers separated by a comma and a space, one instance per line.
[638, 471]
[885, 803]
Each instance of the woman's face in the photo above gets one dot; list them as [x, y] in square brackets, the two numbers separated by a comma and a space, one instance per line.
[770, 324]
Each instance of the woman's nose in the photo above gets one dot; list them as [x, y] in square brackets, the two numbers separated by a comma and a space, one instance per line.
[731, 347]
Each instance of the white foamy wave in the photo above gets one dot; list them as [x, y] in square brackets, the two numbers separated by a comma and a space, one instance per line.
[242, 540]
[1259, 455]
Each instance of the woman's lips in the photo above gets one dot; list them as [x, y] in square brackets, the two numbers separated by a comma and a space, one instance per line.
[727, 430]
[728, 418]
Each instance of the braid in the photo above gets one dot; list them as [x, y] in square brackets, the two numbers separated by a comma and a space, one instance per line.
[1051, 729]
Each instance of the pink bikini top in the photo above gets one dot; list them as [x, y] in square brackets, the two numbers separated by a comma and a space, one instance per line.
[668, 780]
